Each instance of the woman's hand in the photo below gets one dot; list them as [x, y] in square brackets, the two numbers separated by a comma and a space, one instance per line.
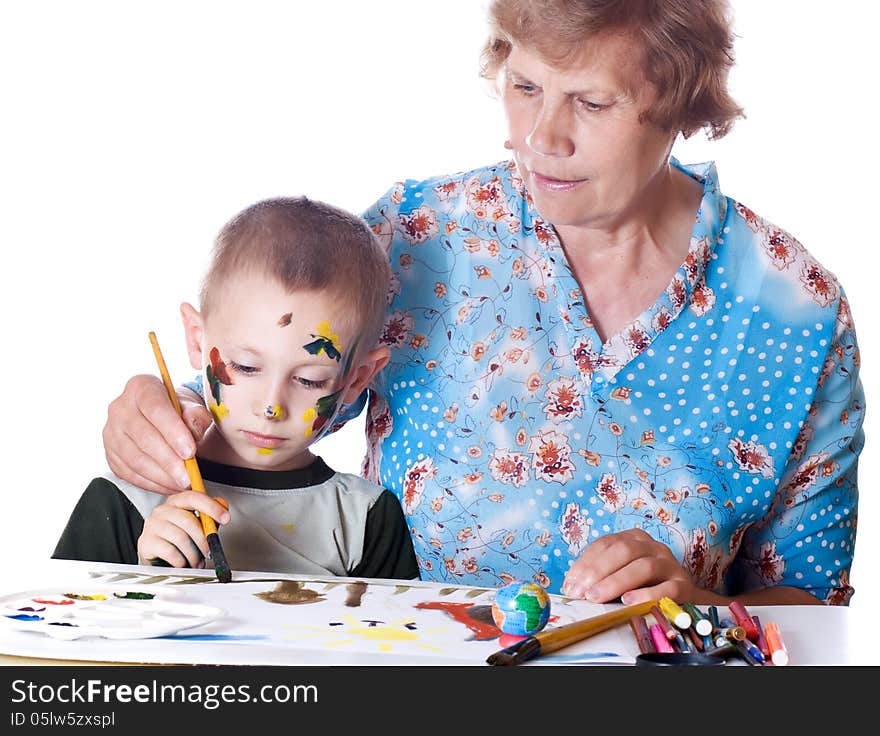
[145, 441]
[174, 534]
[634, 567]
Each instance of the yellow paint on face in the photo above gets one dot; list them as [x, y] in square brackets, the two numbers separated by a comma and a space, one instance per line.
[326, 331]
[274, 412]
[264, 451]
[309, 417]
[218, 411]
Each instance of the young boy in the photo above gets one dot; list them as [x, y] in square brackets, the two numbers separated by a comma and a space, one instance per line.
[291, 310]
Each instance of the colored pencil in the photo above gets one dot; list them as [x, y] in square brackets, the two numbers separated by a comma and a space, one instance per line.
[663, 622]
[713, 618]
[695, 638]
[661, 643]
[643, 636]
[209, 526]
[557, 637]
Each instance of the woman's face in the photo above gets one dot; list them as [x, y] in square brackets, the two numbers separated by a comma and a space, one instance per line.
[585, 158]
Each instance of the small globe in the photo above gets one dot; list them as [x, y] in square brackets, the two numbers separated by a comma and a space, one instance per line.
[521, 608]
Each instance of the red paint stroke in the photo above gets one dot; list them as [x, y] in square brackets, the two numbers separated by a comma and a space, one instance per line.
[461, 613]
[219, 368]
[507, 640]
[46, 601]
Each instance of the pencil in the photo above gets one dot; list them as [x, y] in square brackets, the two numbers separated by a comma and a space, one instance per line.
[643, 636]
[663, 622]
[549, 640]
[209, 526]
[695, 638]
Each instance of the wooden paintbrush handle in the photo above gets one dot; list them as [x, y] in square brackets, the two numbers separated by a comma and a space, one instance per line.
[562, 636]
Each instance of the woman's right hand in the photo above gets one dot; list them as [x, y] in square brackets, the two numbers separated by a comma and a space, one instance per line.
[146, 442]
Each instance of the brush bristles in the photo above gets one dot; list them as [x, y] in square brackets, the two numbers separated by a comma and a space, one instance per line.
[221, 566]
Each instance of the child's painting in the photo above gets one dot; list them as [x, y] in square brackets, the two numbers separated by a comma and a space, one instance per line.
[183, 616]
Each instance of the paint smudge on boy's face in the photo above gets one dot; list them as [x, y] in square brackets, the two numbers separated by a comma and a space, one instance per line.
[285, 319]
[264, 451]
[218, 411]
[317, 417]
[217, 373]
[326, 341]
[274, 412]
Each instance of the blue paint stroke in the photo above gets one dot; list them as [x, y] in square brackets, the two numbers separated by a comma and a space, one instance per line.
[214, 637]
[575, 658]
[25, 617]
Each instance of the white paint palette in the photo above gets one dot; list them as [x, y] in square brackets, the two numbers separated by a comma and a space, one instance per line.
[109, 612]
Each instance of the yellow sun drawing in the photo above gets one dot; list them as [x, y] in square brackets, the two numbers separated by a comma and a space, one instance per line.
[352, 631]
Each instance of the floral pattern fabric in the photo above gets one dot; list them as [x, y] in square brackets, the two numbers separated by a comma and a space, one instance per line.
[725, 421]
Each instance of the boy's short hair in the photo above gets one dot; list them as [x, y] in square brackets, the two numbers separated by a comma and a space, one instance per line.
[306, 246]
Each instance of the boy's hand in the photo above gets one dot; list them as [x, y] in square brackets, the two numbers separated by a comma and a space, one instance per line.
[174, 534]
[145, 440]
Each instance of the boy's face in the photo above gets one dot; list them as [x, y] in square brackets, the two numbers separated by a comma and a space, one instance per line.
[274, 368]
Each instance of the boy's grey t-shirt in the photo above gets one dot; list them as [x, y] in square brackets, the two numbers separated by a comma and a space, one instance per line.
[309, 521]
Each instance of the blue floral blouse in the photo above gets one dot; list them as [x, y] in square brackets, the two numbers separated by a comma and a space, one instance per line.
[725, 421]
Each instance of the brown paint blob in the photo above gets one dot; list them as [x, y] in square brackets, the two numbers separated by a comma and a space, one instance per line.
[290, 593]
[355, 593]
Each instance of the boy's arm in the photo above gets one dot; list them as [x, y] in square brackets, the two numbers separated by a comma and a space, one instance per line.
[388, 550]
[103, 527]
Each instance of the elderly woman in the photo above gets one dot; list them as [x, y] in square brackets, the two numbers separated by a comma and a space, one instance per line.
[606, 376]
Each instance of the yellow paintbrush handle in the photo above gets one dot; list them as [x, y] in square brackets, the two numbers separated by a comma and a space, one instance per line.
[209, 526]
[563, 636]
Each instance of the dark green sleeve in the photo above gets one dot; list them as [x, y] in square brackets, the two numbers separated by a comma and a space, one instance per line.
[388, 550]
[104, 527]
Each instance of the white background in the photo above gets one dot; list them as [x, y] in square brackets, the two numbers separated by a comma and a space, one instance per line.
[130, 132]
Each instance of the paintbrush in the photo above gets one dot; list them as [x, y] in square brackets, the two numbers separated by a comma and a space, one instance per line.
[209, 526]
[549, 640]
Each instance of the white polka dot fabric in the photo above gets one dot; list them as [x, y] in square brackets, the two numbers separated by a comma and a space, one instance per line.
[724, 421]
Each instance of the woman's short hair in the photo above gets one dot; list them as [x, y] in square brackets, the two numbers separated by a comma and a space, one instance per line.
[306, 245]
[687, 50]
